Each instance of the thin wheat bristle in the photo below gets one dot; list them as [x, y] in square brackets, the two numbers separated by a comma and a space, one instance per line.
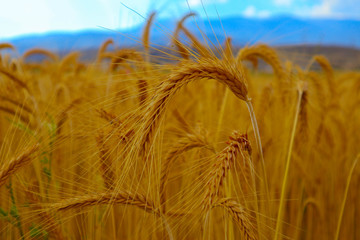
[119, 58]
[228, 54]
[202, 50]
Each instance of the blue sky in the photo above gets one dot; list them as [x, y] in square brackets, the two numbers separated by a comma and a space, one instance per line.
[37, 16]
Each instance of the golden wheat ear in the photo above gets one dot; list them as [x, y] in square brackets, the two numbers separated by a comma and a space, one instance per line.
[17, 163]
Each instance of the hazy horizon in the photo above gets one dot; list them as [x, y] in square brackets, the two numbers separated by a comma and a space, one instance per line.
[41, 16]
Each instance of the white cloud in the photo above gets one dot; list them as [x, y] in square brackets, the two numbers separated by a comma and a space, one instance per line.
[322, 10]
[251, 12]
[282, 2]
[263, 14]
[17, 17]
[197, 3]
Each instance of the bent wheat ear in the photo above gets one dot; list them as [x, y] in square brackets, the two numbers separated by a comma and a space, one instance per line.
[182, 49]
[6, 46]
[16, 163]
[146, 34]
[190, 71]
[40, 51]
[324, 64]
[237, 212]
[328, 70]
[68, 60]
[264, 52]
[118, 197]
[102, 50]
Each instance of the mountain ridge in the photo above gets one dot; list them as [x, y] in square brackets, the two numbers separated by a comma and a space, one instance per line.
[275, 31]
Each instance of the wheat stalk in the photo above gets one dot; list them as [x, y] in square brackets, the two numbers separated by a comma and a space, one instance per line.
[288, 157]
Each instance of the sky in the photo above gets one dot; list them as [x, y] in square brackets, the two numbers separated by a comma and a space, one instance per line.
[18, 17]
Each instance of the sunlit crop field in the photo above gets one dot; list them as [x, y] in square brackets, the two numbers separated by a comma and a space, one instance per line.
[198, 143]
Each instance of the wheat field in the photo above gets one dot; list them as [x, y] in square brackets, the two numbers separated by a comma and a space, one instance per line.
[196, 144]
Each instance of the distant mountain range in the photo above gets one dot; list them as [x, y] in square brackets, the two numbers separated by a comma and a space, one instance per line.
[276, 31]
